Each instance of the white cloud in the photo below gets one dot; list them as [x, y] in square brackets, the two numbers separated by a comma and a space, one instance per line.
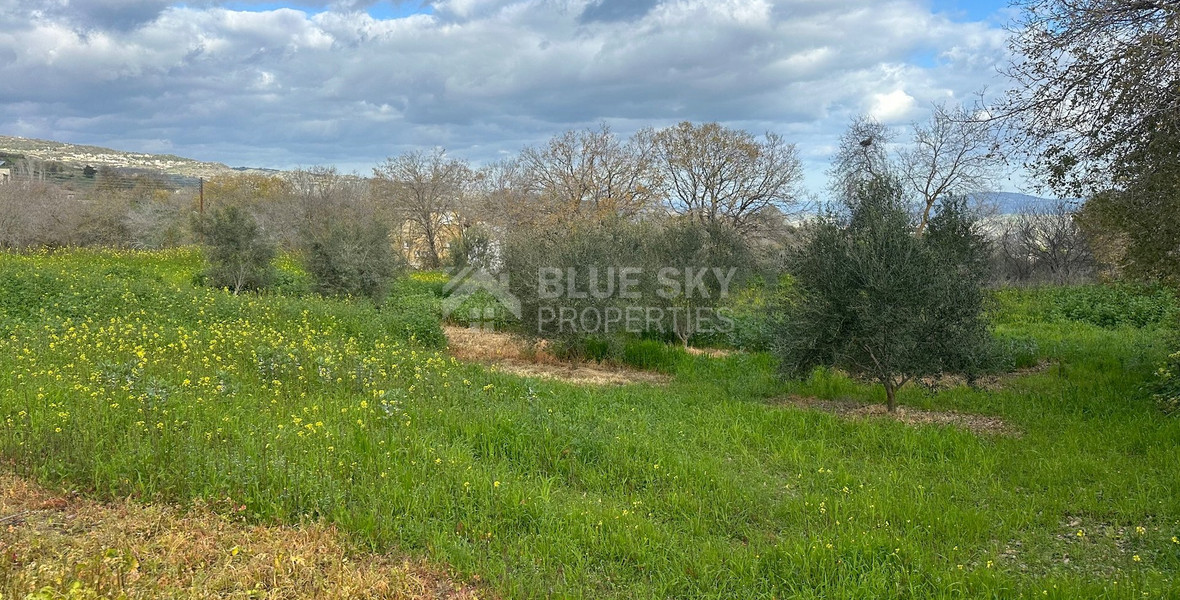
[479, 77]
[893, 107]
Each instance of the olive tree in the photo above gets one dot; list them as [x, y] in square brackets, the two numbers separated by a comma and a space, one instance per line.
[881, 302]
[707, 262]
[664, 278]
[346, 247]
[351, 257]
[238, 256]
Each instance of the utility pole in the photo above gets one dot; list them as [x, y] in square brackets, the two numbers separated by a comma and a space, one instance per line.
[202, 195]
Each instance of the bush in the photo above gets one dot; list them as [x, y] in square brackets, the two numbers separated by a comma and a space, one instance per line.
[482, 308]
[351, 258]
[602, 247]
[660, 258]
[753, 310]
[238, 257]
[880, 301]
[1116, 305]
[1167, 385]
[414, 319]
[290, 277]
[475, 248]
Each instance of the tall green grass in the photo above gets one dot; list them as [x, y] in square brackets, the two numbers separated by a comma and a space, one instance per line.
[118, 377]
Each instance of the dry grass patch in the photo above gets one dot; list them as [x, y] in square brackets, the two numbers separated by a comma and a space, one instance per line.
[850, 409]
[514, 354]
[63, 546]
[478, 345]
[581, 374]
[710, 352]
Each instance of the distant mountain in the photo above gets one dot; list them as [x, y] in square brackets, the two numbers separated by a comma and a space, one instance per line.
[73, 155]
[1010, 203]
[1000, 203]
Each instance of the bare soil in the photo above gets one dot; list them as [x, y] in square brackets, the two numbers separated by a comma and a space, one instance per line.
[979, 424]
[987, 382]
[512, 354]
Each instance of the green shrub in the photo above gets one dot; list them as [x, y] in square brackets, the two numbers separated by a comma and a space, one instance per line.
[1101, 305]
[238, 256]
[474, 248]
[753, 310]
[351, 258]
[482, 308]
[879, 301]
[291, 279]
[1167, 381]
[414, 319]
[1115, 305]
[589, 258]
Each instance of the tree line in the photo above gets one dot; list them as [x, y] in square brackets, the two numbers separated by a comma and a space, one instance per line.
[432, 203]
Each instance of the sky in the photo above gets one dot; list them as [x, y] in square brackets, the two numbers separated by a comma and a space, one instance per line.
[286, 84]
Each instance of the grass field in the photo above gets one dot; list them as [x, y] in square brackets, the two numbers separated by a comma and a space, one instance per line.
[120, 378]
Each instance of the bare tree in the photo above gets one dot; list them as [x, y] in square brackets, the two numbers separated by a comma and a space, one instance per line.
[425, 191]
[861, 157]
[1016, 261]
[1046, 244]
[33, 213]
[1095, 81]
[498, 196]
[250, 189]
[952, 154]
[722, 175]
[591, 174]
[322, 191]
[29, 169]
[1063, 250]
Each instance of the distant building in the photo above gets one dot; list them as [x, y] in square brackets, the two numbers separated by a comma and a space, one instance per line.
[416, 249]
